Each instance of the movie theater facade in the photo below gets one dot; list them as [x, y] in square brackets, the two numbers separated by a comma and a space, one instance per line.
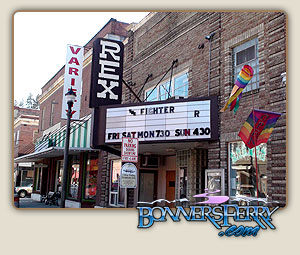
[180, 68]
[165, 85]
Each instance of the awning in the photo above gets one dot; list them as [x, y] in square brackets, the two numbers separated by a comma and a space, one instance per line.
[51, 152]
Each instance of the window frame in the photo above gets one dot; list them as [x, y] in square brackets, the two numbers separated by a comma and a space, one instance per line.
[89, 156]
[74, 160]
[53, 103]
[239, 48]
[115, 193]
[43, 119]
[38, 179]
[57, 170]
[17, 137]
[229, 170]
[167, 81]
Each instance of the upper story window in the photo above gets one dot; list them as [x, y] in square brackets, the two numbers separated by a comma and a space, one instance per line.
[115, 37]
[179, 87]
[43, 119]
[52, 113]
[16, 137]
[247, 53]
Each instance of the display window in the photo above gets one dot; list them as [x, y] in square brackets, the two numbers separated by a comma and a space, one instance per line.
[74, 177]
[91, 176]
[59, 175]
[26, 177]
[38, 178]
[117, 195]
[242, 172]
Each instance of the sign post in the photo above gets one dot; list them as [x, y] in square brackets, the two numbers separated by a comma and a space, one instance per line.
[128, 175]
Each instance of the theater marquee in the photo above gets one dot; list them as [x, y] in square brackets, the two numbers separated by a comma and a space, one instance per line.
[177, 120]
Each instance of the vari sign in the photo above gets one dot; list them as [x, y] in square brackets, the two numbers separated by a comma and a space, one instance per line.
[73, 79]
[162, 122]
[107, 71]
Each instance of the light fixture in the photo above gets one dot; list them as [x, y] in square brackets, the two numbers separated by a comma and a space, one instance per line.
[210, 37]
[70, 96]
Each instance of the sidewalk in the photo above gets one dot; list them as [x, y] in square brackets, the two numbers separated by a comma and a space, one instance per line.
[30, 203]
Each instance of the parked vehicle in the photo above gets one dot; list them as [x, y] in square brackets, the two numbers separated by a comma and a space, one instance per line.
[23, 191]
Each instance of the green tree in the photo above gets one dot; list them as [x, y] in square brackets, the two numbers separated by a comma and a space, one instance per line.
[36, 104]
[21, 103]
[29, 101]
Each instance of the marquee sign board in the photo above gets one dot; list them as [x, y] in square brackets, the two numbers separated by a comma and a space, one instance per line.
[73, 78]
[107, 71]
[185, 120]
[130, 150]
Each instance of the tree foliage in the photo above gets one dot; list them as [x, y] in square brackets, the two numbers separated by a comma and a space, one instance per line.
[31, 102]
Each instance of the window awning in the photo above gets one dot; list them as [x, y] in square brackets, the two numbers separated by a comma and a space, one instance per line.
[50, 153]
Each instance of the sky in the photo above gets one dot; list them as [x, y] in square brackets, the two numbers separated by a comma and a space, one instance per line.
[40, 43]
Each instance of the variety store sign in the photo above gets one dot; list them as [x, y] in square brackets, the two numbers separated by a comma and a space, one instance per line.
[188, 120]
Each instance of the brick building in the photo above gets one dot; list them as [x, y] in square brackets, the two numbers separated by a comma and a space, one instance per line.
[26, 122]
[174, 60]
[49, 146]
[203, 67]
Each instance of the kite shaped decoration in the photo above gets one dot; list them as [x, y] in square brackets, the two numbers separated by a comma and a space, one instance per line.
[258, 127]
[241, 82]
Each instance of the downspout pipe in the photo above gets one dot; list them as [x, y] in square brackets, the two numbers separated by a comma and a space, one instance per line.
[209, 38]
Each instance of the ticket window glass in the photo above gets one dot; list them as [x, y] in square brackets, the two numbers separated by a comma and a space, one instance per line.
[74, 177]
[243, 172]
[91, 176]
[117, 195]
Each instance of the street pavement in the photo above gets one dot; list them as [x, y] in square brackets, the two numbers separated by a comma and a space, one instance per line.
[30, 203]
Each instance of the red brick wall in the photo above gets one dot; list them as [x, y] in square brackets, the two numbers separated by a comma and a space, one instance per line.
[25, 144]
[176, 35]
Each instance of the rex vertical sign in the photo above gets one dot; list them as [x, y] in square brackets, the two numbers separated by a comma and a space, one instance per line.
[130, 150]
[73, 79]
[107, 72]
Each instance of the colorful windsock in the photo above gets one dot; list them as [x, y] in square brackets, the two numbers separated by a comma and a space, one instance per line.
[241, 82]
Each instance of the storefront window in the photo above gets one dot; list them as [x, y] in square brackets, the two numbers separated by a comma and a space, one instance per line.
[91, 176]
[183, 182]
[38, 179]
[59, 175]
[26, 177]
[117, 195]
[243, 172]
[74, 180]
